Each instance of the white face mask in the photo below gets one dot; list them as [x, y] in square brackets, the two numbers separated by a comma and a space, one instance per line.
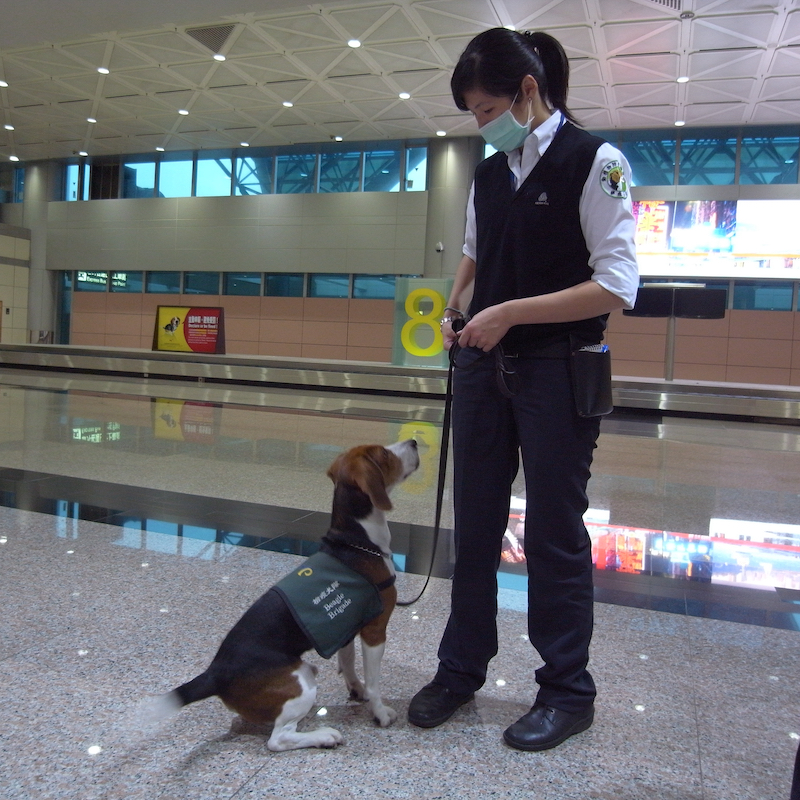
[505, 133]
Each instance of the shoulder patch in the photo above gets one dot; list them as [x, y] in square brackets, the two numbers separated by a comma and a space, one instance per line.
[613, 180]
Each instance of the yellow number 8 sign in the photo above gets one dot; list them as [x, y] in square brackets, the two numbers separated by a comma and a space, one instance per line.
[418, 318]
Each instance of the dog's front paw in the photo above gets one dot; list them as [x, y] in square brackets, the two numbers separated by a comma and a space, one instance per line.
[327, 737]
[384, 715]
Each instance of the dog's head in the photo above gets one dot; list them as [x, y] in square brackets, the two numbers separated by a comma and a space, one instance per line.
[375, 469]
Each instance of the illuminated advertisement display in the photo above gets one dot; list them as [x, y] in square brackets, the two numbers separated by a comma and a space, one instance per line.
[185, 329]
[718, 238]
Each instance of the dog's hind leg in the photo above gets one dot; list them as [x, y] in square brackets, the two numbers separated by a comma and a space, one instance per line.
[285, 735]
[372, 656]
[347, 667]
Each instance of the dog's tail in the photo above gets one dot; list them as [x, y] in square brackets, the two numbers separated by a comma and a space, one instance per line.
[157, 709]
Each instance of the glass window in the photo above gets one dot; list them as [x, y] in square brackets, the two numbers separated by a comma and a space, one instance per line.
[651, 156]
[163, 283]
[416, 169]
[295, 174]
[19, 184]
[241, 283]
[253, 175]
[85, 180]
[328, 285]
[769, 159]
[373, 286]
[382, 170]
[127, 282]
[763, 295]
[707, 161]
[213, 174]
[72, 181]
[91, 281]
[283, 284]
[340, 172]
[175, 176]
[138, 179]
[201, 283]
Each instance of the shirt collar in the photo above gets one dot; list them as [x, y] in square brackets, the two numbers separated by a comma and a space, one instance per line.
[539, 138]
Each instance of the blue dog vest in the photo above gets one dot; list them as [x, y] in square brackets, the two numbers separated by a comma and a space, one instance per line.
[329, 601]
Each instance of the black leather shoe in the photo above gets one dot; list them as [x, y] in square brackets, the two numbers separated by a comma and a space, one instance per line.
[434, 704]
[544, 727]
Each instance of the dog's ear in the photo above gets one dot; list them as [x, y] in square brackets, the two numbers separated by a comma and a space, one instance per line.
[367, 468]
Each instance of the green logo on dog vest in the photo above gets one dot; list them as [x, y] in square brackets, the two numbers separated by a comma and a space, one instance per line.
[329, 601]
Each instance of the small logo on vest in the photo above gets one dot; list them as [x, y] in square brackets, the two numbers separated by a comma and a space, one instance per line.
[613, 181]
[542, 200]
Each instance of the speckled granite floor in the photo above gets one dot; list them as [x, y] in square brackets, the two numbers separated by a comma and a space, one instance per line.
[94, 617]
[688, 708]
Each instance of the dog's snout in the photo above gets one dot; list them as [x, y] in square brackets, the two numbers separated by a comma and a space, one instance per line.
[413, 443]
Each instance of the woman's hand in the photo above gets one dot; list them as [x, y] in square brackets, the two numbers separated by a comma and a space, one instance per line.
[449, 336]
[485, 329]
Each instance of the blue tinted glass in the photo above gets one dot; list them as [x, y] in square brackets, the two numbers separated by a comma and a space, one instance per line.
[163, 283]
[651, 156]
[707, 161]
[373, 286]
[320, 285]
[213, 175]
[340, 172]
[295, 174]
[175, 179]
[241, 283]
[126, 282]
[769, 159]
[382, 170]
[72, 182]
[280, 284]
[201, 283]
[19, 184]
[763, 295]
[91, 281]
[139, 179]
[416, 169]
[253, 175]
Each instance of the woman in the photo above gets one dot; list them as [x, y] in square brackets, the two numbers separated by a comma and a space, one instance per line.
[548, 254]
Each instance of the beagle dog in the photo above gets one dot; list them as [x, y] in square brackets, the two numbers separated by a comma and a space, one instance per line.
[258, 671]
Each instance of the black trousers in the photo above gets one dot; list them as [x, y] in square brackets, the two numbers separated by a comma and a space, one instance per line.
[795, 795]
[489, 432]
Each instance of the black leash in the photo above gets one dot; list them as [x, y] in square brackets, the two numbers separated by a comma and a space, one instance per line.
[448, 402]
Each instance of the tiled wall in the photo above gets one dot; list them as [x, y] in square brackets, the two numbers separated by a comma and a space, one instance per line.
[338, 329]
[15, 254]
[744, 347]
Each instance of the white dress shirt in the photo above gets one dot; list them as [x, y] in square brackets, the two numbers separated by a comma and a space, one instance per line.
[607, 222]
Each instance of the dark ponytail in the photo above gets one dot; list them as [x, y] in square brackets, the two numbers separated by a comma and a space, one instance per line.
[497, 60]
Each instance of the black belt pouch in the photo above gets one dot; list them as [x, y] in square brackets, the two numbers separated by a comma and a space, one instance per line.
[590, 366]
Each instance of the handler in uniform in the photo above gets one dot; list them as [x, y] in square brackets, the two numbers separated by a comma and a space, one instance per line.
[549, 252]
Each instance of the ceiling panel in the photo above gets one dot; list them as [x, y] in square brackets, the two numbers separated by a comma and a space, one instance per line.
[743, 60]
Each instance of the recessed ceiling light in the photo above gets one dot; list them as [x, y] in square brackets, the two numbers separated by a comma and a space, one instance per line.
[404, 96]
[83, 153]
[219, 57]
[338, 138]
[244, 144]
[103, 70]
[9, 127]
[287, 104]
[183, 112]
[13, 158]
[91, 119]
[683, 79]
[680, 123]
[160, 149]
[510, 27]
[441, 133]
[354, 43]
[3, 84]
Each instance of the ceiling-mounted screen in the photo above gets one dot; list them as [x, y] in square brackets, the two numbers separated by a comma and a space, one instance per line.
[718, 238]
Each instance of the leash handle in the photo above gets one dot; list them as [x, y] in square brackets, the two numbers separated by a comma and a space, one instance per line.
[443, 451]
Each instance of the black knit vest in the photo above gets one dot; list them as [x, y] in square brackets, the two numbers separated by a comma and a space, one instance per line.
[529, 241]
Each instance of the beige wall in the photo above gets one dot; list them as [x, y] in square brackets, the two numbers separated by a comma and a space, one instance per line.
[360, 232]
[745, 347]
[352, 330]
[15, 255]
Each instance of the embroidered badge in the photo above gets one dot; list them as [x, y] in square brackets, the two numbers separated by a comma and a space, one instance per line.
[613, 181]
[543, 201]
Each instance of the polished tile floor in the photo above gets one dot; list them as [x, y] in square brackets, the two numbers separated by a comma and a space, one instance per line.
[137, 522]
